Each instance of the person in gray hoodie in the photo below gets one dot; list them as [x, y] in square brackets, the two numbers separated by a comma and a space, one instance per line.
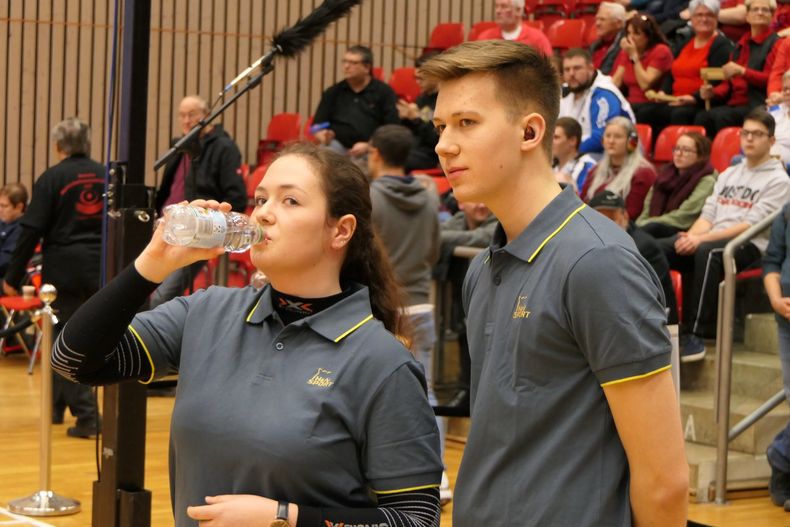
[406, 217]
[743, 195]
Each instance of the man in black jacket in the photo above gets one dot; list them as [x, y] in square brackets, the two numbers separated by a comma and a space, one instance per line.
[208, 168]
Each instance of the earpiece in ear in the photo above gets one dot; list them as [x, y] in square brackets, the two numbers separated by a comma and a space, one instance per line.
[529, 134]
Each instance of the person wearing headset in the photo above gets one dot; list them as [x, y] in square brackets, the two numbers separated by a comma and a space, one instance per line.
[622, 169]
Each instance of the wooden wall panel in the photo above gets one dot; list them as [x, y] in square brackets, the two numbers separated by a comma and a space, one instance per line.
[55, 58]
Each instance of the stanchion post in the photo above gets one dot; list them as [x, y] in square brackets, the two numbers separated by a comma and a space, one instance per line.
[45, 502]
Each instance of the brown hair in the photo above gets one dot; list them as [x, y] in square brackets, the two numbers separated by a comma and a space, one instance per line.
[647, 25]
[572, 129]
[526, 80]
[348, 192]
[701, 143]
[16, 193]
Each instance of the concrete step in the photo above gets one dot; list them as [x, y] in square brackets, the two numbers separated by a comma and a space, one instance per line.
[700, 427]
[760, 333]
[755, 375]
[740, 468]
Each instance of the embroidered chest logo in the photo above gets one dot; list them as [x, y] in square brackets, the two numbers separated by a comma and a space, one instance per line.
[328, 523]
[521, 308]
[320, 379]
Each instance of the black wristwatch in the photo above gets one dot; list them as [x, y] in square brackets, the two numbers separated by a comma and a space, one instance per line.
[282, 515]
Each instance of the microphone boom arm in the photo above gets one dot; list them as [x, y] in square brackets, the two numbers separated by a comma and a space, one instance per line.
[268, 67]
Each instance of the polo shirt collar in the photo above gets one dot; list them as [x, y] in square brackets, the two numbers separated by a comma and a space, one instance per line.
[759, 39]
[334, 323]
[546, 225]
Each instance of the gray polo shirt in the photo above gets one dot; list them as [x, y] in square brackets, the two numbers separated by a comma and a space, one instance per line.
[566, 308]
[326, 411]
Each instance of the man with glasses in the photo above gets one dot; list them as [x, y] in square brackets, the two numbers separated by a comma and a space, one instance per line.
[209, 167]
[743, 195]
[351, 110]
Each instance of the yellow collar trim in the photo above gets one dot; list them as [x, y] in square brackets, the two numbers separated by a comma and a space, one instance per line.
[354, 328]
[558, 229]
[253, 310]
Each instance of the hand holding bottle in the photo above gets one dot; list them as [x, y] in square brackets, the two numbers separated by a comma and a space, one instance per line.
[160, 258]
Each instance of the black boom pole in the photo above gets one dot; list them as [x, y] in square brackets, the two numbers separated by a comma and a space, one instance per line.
[119, 498]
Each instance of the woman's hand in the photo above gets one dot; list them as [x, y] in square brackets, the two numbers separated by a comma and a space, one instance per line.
[684, 100]
[732, 69]
[159, 258]
[629, 48]
[706, 92]
[233, 510]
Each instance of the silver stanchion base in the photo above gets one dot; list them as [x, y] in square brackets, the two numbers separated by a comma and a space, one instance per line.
[44, 503]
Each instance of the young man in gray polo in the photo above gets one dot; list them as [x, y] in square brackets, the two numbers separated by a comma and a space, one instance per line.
[574, 415]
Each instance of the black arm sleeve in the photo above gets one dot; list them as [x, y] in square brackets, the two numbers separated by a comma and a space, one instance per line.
[25, 247]
[417, 508]
[96, 345]
[324, 110]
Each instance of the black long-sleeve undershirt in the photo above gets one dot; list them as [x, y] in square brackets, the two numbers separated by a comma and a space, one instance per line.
[97, 347]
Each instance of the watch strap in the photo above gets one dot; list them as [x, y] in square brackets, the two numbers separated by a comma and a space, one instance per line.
[282, 510]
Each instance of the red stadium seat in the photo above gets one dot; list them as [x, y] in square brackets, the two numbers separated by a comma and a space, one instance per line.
[283, 128]
[566, 34]
[537, 24]
[586, 9]
[677, 287]
[378, 73]
[590, 34]
[404, 83]
[549, 11]
[306, 134]
[726, 144]
[446, 35]
[646, 139]
[478, 28]
[667, 139]
[529, 6]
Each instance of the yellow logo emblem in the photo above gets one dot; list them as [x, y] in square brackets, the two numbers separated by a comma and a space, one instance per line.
[521, 308]
[319, 380]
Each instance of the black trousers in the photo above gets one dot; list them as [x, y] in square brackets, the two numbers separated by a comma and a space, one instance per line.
[720, 117]
[702, 273]
[659, 230]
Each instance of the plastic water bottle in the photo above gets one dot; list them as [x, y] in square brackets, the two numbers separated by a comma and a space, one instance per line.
[189, 226]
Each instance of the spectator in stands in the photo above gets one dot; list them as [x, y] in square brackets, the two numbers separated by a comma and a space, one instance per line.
[776, 277]
[592, 99]
[743, 195]
[675, 200]
[405, 216]
[612, 206]
[778, 68]
[569, 166]
[566, 329]
[609, 26]
[417, 116]
[781, 114]
[731, 18]
[707, 48]
[472, 226]
[623, 169]
[209, 168]
[355, 106]
[65, 215]
[644, 60]
[509, 14]
[746, 73]
[13, 200]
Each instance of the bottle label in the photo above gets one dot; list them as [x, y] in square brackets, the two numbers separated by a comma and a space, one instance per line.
[211, 228]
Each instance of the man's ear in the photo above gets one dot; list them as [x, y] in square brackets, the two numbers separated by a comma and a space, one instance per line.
[344, 231]
[534, 129]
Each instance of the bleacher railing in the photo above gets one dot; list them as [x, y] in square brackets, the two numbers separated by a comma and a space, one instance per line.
[724, 338]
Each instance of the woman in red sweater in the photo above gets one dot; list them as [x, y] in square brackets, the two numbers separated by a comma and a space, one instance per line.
[622, 169]
[746, 73]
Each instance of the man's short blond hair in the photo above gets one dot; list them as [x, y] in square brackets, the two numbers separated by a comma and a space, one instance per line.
[526, 80]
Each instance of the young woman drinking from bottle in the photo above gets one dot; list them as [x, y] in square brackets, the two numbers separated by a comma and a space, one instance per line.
[295, 404]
